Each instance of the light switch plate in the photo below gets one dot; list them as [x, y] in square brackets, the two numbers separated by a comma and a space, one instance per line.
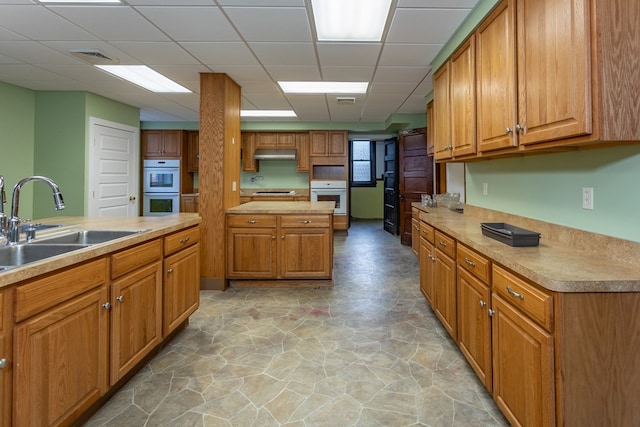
[587, 198]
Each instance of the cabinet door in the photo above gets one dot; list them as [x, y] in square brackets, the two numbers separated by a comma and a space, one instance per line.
[474, 325]
[62, 366]
[337, 143]
[463, 99]
[249, 164]
[427, 269]
[442, 113]
[6, 356]
[415, 236]
[523, 367]
[554, 78]
[286, 140]
[151, 143]
[188, 204]
[136, 318]
[445, 293]
[172, 143]
[266, 140]
[193, 151]
[305, 253]
[496, 80]
[318, 143]
[251, 253]
[181, 287]
[430, 138]
[302, 148]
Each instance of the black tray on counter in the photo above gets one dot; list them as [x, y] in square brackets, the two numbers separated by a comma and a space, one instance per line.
[510, 234]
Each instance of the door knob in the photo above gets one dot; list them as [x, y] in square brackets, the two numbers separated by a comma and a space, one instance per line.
[132, 198]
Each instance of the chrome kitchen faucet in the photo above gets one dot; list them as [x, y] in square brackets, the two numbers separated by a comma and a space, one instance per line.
[13, 233]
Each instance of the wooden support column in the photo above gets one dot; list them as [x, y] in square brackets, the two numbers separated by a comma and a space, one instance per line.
[219, 171]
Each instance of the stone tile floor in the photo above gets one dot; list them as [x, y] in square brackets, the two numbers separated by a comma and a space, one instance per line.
[367, 352]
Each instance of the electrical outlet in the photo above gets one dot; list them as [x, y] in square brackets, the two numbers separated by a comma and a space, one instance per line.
[587, 198]
[485, 189]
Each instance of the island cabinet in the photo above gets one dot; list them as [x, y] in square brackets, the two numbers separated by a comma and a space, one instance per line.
[136, 301]
[445, 290]
[181, 277]
[61, 345]
[270, 246]
[6, 355]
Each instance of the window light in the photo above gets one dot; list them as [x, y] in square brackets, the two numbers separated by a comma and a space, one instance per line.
[267, 113]
[145, 77]
[324, 87]
[352, 20]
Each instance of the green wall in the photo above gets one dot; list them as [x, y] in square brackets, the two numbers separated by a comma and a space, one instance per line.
[549, 188]
[368, 202]
[275, 174]
[17, 122]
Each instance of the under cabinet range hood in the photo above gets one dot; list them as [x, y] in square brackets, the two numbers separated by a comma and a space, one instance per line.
[274, 154]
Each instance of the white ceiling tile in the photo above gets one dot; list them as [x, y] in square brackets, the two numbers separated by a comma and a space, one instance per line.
[217, 54]
[348, 54]
[37, 23]
[268, 102]
[262, 3]
[112, 22]
[192, 23]
[391, 88]
[425, 25]
[35, 53]
[7, 35]
[348, 74]
[293, 72]
[396, 54]
[261, 87]
[271, 24]
[445, 4]
[169, 2]
[157, 53]
[241, 73]
[400, 74]
[285, 53]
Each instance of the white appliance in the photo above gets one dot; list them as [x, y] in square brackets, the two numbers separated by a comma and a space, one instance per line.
[330, 191]
[161, 187]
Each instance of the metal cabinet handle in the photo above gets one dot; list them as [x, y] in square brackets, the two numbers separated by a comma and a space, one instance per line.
[514, 293]
[491, 312]
[106, 305]
[273, 237]
[482, 303]
[185, 240]
[508, 131]
[416, 227]
[441, 243]
[4, 363]
[306, 221]
[170, 270]
[519, 128]
[282, 237]
[252, 221]
[469, 262]
[120, 298]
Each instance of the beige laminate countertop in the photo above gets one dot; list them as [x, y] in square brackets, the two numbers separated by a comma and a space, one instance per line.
[154, 227]
[555, 265]
[281, 208]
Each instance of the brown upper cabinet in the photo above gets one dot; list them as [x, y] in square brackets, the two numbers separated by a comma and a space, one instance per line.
[548, 74]
[162, 143]
[275, 140]
[328, 143]
[193, 151]
[302, 148]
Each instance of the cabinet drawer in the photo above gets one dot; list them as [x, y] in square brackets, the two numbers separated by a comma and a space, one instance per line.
[181, 240]
[131, 259]
[427, 231]
[251, 221]
[49, 291]
[529, 299]
[473, 262]
[305, 221]
[445, 244]
[415, 213]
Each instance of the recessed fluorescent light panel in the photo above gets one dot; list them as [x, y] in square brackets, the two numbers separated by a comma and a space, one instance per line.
[267, 113]
[350, 20]
[145, 77]
[324, 87]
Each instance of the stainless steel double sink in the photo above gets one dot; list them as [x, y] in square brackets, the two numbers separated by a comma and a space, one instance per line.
[50, 246]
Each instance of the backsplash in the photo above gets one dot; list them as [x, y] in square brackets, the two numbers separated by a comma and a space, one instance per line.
[275, 174]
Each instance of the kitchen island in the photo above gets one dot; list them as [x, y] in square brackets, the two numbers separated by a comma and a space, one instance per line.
[280, 244]
[76, 326]
[552, 330]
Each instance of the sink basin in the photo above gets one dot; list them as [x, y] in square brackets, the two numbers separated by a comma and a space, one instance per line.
[16, 255]
[85, 237]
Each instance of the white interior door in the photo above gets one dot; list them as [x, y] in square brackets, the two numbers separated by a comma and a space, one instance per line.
[113, 169]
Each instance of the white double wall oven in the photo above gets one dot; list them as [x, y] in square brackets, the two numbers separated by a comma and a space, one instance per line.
[161, 187]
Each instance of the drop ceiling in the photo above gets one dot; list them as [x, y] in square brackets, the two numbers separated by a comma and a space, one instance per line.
[255, 42]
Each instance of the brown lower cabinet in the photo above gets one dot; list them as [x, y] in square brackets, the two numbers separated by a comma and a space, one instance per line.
[279, 246]
[548, 358]
[80, 330]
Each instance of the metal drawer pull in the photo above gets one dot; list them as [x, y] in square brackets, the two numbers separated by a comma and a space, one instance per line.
[170, 270]
[252, 221]
[185, 240]
[441, 243]
[3, 363]
[471, 263]
[514, 293]
[306, 221]
[482, 303]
